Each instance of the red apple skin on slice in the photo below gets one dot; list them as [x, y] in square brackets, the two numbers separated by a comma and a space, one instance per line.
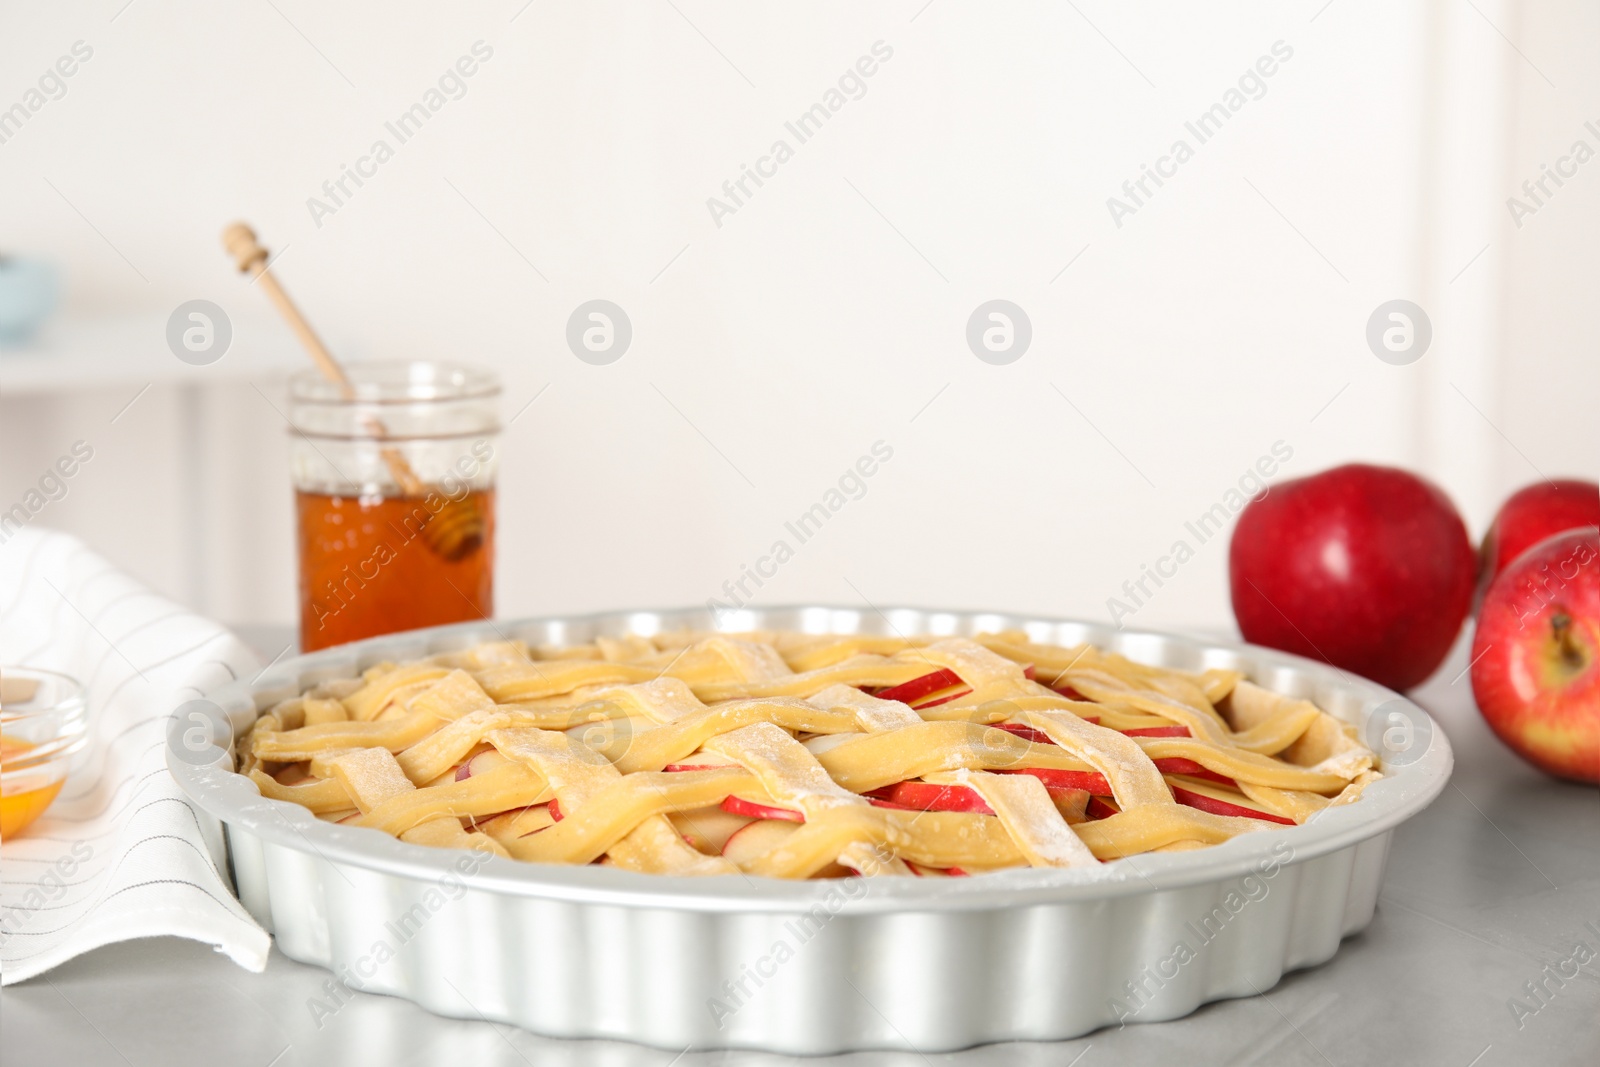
[1027, 733]
[701, 761]
[1092, 782]
[936, 872]
[947, 698]
[757, 839]
[485, 759]
[925, 685]
[1073, 804]
[1158, 731]
[925, 796]
[511, 815]
[1179, 765]
[1201, 802]
[1099, 808]
[1536, 655]
[740, 806]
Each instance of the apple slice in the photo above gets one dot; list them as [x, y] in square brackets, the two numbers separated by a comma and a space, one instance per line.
[1201, 798]
[1092, 782]
[923, 686]
[936, 872]
[757, 839]
[1158, 731]
[740, 806]
[1073, 804]
[925, 796]
[1180, 765]
[701, 761]
[518, 822]
[1101, 808]
[933, 702]
[486, 759]
[1069, 692]
[823, 742]
[1027, 733]
[707, 829]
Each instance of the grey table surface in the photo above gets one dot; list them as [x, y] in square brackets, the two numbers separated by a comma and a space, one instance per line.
[1496, 882]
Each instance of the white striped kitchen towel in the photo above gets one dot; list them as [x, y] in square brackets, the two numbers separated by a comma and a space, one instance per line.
[121, 854]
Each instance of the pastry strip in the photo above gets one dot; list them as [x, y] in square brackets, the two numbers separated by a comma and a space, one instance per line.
[371, 776]
[577, 773]
[1030, 817]
[788, 772]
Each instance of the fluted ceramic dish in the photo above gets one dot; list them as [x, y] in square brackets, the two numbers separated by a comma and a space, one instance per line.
[816, 967]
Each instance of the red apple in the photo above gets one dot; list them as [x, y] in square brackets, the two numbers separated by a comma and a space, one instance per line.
[1536, 655]
[1534, 513]
[1368, 568]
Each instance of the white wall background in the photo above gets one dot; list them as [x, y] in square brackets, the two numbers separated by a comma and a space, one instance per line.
[826, 314]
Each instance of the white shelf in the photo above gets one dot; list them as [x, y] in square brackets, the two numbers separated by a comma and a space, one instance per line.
[73, 354]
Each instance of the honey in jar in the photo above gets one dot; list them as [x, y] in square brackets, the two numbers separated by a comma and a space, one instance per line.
[366, 567]
[394, 496]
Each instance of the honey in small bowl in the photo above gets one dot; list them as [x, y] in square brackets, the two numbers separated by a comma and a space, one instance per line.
[43, 720]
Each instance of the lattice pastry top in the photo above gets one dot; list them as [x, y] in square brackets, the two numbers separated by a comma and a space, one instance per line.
[799, 756]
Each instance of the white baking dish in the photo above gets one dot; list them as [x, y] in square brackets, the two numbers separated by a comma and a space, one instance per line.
[813, 967]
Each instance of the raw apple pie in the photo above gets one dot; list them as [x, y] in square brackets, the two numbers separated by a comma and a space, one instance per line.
[801, 756]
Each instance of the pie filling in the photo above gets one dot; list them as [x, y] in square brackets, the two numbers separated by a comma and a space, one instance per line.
[790, 755]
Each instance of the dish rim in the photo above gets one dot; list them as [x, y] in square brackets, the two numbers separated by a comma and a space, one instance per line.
[212, 784]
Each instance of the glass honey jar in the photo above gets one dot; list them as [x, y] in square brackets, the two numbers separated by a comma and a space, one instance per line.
[394, 479]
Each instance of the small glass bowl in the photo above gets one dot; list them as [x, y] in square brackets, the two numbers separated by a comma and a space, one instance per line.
[43, 724]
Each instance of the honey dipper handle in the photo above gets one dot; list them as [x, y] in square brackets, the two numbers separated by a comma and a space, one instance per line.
[240, 241]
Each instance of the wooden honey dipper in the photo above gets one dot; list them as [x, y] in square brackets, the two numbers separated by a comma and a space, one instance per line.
[457, 529]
